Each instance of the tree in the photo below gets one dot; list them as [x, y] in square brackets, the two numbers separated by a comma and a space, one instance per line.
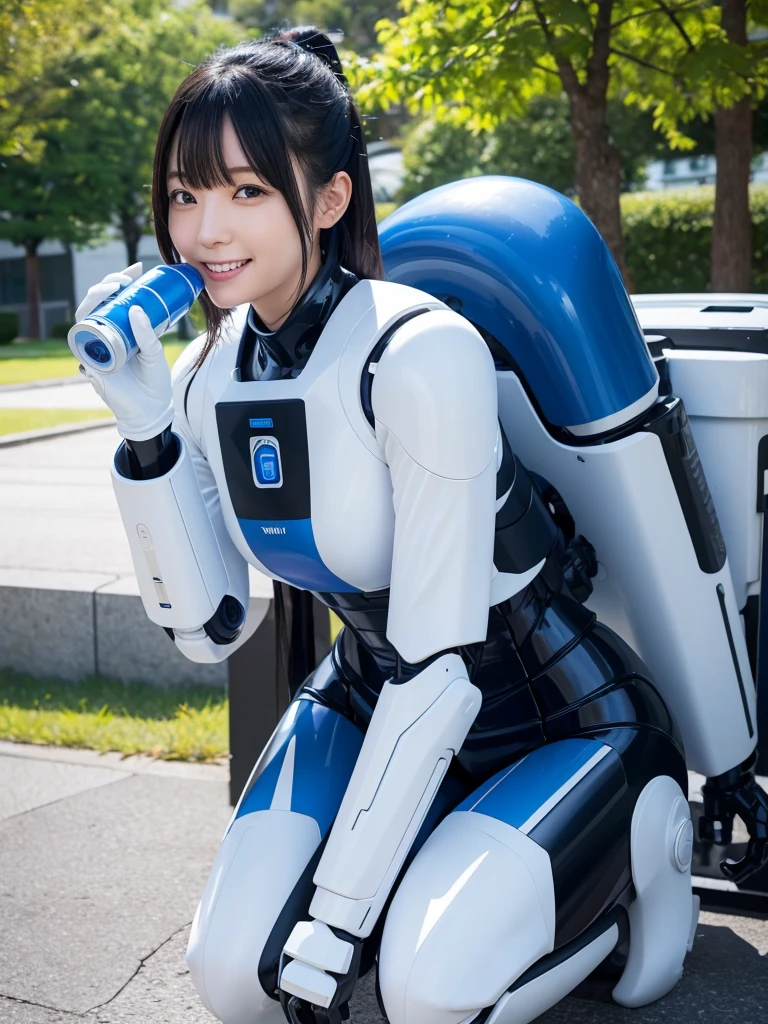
[355, 21]
[538, 146]
[33, 35]
[49, 199]
[486, 60]
[731, 258]
[126, 81]
[80, 154]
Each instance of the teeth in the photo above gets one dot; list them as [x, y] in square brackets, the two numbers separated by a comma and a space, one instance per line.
[222, 268]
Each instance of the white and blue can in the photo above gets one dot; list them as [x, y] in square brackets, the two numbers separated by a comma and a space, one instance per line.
[104, 340]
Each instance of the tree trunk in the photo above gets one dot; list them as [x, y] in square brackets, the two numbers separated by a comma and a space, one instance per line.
[131, 232]
[731, 254]
[598, 174]
[32, 268]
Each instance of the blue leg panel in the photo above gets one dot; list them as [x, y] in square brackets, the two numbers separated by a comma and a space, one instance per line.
[306, 766]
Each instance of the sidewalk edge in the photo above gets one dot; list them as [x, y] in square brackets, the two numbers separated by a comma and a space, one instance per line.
[26, 436]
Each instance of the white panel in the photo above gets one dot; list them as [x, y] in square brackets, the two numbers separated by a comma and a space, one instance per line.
[726, 398]
[255, 871]
[649, 587]
[173, 544]
[475, 910]
[415, 729]
[443, 556]
[660, 919]
[350, 487]
[530, 1001]
[435, 391]
[315, 944]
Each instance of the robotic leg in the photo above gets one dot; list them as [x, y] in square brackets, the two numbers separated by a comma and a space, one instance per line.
[261, 881]
[481, 927]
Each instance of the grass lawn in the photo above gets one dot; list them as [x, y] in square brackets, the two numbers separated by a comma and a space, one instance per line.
[42, 360]
[14, 421]
[174, 723]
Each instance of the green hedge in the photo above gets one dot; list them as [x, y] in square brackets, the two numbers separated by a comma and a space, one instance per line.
[60, 329]
[9, 327]
[667, 237]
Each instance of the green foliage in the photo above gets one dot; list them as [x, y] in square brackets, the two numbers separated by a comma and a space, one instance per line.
[60, 329]
[9, 327]
[668, 236]
[33, 34]
[537, 146]
[483, 60]
[87, 85]
[356, 21]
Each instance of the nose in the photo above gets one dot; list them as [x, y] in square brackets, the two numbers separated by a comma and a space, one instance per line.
[214, 228]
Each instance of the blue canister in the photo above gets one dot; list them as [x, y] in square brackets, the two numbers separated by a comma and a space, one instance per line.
[103, 340]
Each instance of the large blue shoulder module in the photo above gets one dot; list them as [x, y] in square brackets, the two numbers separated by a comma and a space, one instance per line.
[525, 265]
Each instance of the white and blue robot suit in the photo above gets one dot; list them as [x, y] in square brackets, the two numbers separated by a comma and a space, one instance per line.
[480, 787]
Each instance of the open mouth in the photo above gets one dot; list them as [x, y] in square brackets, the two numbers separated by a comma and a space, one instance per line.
[223, 271]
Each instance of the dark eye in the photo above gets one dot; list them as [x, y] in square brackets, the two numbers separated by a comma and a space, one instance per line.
[181, 197]
[249, 192]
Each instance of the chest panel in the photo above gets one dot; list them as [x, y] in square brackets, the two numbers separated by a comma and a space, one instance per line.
[271, 495]
[317, 511]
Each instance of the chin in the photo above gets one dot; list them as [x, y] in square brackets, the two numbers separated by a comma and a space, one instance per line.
[227, 298]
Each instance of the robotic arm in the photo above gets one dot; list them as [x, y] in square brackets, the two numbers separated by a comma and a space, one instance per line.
[416, 729]
[433, 383]
[182, 575]
[193, 582]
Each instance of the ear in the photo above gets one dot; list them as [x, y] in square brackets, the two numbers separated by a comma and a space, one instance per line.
[334, 200]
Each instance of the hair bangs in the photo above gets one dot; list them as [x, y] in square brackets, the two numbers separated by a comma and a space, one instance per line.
[200, 154]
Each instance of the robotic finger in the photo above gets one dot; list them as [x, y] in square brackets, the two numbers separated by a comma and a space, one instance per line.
[737, 793]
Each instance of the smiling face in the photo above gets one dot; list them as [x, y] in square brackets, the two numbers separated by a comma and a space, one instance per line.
[243, 238]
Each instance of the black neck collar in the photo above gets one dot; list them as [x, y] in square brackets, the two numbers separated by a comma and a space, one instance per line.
[270, 355]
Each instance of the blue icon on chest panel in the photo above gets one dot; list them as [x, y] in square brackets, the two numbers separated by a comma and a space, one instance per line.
[265, 462]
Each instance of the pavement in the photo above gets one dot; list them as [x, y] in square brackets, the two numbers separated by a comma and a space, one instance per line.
[57, 506]
[103, 859]
[77, 394]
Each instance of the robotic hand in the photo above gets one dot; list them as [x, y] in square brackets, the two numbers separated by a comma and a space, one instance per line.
[324, 967]
[737, 793]
[139, 394]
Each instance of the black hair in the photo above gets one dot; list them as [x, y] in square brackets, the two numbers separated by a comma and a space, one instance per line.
[286, 97]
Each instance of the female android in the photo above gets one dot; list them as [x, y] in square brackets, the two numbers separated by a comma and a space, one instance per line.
[480, 788]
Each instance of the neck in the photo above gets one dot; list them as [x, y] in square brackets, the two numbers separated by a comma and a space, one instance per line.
[284, 350]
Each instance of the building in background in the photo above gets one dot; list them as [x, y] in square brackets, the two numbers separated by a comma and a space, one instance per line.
[65, 277]
[690, 171]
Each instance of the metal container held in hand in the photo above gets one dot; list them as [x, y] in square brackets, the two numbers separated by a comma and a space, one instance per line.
[104, 340]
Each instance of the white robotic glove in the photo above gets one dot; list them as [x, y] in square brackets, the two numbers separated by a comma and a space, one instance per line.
[139, 393]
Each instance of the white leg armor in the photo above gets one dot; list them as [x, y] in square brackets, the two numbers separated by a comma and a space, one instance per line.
[416, 728]
[475, 909]
[662, 920]
[472, 930]
[255, 871]
[261, 879]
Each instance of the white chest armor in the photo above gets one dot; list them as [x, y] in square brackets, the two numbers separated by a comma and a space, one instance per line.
[305, 490]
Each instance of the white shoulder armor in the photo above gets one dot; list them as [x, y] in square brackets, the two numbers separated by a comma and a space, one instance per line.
[435, 405]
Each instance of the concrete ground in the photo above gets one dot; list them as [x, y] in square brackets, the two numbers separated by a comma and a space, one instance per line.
[77, 395]
[102, 862]
[57, 507]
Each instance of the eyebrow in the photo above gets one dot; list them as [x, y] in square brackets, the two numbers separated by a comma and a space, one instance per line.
[230, 170]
